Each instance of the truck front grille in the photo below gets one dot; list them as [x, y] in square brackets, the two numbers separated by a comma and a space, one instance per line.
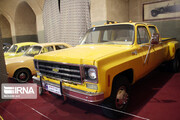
[60, 71]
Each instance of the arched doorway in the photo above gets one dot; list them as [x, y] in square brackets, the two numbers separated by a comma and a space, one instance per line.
[5, 30]
[25, 23]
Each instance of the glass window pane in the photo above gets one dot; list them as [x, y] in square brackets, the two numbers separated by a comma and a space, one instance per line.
[58, 47]
[152, 30]
[142, 35]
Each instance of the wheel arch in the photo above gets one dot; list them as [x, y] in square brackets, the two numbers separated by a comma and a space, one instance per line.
[20, 69]
[129, 74]
[174, 47]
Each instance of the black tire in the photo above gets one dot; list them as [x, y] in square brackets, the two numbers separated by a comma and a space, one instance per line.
[22, 75]
[175, 64]
[154, 13]
[111, 104]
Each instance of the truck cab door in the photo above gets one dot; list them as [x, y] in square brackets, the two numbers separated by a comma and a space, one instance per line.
[160, 49]
[143, 44]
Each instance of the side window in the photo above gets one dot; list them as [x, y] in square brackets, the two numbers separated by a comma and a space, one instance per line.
[26, 47]
[58, 47]
[47, 49]
[142, 35]
[23, 48]
[20, 49]
[152, 29]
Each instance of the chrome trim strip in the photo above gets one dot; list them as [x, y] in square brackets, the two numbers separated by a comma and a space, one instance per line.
[64, 69]
[79, 66]
[91, 101]
[63, 74]
[35, 61]
[75, 90]
[81, 91]
[58, 63]
[88, 94]
[36, 78]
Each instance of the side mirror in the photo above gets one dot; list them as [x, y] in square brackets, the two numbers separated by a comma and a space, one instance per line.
[155, 39]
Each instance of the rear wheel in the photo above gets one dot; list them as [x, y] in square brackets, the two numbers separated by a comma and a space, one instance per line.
[117, 102]
[22, 75]
[175, 63]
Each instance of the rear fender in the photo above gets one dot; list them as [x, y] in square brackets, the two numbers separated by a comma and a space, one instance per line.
[174, 46]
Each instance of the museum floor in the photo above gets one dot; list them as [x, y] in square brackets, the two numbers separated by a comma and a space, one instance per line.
[154, 97]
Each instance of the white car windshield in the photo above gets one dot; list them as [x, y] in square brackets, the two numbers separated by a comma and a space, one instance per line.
[33, 50]
[115, 34]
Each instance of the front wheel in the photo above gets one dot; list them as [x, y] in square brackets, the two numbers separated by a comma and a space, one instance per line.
[22, 75]
[117, 102]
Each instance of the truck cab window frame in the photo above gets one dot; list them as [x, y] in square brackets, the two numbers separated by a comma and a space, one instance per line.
[142, 35]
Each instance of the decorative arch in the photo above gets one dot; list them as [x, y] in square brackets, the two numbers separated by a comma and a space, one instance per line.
[25, 23]
[5, 29]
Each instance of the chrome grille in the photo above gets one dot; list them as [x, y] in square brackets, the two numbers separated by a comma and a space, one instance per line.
[60, 71]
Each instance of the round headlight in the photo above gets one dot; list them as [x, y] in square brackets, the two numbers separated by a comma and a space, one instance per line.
[92, 73]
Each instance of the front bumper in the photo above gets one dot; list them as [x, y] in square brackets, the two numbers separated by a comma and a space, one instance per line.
[36, 80]
[73, 93]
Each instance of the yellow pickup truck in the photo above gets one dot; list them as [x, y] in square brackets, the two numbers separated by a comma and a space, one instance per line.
[110, 58]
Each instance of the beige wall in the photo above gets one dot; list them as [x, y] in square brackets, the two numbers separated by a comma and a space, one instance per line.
[109, 10]
[5, 26]
[98, 10]
[8, 9]
[25, 20]
[117, 10]
[136, 9]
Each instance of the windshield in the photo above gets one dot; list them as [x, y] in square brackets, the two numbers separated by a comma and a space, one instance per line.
[33, 50]
[115, 34]
[13, 48]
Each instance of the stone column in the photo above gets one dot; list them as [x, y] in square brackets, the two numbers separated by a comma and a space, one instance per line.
[3, 74]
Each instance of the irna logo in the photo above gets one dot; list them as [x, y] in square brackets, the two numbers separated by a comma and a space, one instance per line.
[19, 91]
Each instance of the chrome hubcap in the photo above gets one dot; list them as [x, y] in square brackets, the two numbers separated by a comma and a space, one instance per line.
[22, 76]
[121, 97]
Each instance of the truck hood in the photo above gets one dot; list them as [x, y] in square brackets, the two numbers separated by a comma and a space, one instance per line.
[82, 54]
[20, 59]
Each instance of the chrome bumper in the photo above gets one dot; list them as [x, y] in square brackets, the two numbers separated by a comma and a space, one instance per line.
[83, 95]
[36, 80]
[78, 94]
